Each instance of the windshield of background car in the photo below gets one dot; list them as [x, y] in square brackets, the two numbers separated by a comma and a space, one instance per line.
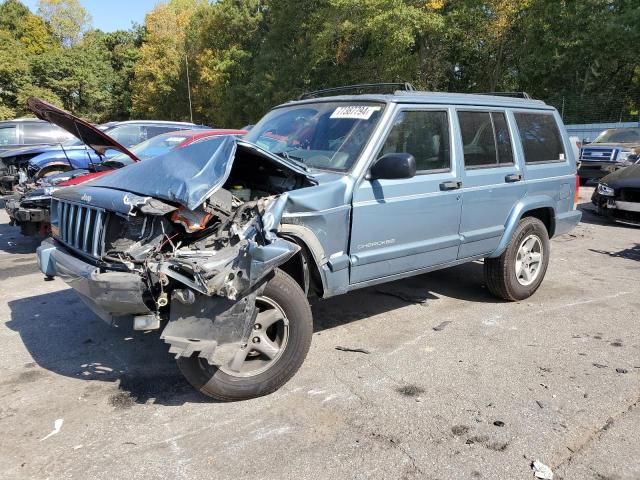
[153, 147]
[326, 135]
[630, 135]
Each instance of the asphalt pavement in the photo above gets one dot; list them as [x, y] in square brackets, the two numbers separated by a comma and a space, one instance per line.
[452, 383]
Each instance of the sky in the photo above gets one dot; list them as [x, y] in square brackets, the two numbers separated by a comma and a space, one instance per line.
[110, 15]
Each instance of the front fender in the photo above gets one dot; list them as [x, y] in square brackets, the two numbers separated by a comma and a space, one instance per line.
[525, 205]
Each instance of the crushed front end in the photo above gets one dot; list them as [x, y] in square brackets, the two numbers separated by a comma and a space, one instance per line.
[194, 270]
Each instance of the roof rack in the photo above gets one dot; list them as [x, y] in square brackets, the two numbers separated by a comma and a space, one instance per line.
[524, 95]
[360, 89]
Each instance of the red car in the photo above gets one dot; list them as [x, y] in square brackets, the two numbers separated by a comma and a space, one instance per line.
[31, 210]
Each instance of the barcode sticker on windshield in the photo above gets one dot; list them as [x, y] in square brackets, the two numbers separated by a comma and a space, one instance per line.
[359, 112]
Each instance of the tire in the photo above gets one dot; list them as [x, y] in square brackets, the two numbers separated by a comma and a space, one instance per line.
[500, 272]
[221, 383]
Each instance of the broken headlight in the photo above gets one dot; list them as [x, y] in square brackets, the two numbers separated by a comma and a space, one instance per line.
[604, 190]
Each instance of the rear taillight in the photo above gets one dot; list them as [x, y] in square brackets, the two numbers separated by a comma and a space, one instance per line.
[577, 195]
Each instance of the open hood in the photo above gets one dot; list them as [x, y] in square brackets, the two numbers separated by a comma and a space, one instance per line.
[92, 136]
[191, 174]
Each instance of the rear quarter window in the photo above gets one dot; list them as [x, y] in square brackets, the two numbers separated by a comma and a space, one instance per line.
[8, 135]
[540, 137]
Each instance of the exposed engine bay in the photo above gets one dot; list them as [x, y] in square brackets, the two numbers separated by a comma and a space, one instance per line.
[199, 268]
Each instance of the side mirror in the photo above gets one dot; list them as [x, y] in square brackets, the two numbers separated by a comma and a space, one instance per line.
[392, 166]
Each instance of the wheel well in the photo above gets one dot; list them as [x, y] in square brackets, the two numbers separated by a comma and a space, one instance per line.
[545, 215]
[53, 167]
[303, 269]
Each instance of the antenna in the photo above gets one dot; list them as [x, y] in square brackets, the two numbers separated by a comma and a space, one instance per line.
[186, 62]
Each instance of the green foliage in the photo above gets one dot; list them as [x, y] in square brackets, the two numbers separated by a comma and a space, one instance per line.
[67, 19]
[245, 56]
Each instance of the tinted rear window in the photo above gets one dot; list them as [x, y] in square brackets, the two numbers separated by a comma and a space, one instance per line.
[540, 136]
[485, 138]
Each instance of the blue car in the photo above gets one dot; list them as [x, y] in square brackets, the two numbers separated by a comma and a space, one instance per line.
[77, 155]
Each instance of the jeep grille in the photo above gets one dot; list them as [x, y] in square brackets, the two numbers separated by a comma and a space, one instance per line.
[80, 227]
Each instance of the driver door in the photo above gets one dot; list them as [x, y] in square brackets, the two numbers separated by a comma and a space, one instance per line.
[401, 226]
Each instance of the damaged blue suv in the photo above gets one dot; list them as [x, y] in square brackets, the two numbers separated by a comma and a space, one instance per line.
[324, 195]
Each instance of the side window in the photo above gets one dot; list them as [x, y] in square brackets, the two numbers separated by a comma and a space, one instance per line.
[485, 139]
[154, 130]
[8, 135]
[540, 136]
[36, 133]
[127, 135]
[423, 134]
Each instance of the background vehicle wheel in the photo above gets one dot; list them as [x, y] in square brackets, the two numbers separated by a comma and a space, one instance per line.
[518, 272]
[277, 347]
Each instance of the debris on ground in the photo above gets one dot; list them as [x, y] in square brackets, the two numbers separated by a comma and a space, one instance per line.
[441, 326]
[57, 425]
[599, 365]
[621, 370]
[410, 390]
[540, 470]
[540, 404]
[355, 350]
[459, 430]
[499, 423]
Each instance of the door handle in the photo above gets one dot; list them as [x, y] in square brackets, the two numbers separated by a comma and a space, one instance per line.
[513, 177]
[450, 185]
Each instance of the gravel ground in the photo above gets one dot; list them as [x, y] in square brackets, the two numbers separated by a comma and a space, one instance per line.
[495, 386]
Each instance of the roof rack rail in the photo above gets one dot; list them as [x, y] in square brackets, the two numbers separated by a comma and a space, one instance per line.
[360, 89]
[524, 95]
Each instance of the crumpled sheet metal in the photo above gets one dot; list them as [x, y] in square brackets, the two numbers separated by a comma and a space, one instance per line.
[187, 175]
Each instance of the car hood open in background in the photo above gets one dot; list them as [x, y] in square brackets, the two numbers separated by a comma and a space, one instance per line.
[191, 174]
[92, 136]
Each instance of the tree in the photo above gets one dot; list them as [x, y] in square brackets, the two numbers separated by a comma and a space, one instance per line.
[67, 19]
[159, 87]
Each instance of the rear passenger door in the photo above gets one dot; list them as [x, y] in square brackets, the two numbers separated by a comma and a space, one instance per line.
[492, 178]
[404, 225]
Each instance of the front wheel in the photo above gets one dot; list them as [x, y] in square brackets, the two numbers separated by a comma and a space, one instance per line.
[518, 272]
[277, 347]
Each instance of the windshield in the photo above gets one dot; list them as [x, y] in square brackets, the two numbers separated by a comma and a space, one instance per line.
[327, 135]
[153, 147]
[626, 135]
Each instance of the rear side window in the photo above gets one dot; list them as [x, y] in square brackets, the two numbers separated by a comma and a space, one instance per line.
[154, 130]
[423, 134]
[37, 133]
[485, 138]
[540, 136]
[8, 135]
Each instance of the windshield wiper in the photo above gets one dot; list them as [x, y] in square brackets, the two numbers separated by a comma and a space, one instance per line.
[295, 158]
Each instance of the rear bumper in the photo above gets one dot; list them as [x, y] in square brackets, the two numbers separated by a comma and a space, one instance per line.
[567, 221]
[111, 295]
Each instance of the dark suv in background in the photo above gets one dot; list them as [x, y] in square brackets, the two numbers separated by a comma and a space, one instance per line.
[612, 150]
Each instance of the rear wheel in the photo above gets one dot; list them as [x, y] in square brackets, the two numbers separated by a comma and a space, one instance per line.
[519, 271]
[277, 347]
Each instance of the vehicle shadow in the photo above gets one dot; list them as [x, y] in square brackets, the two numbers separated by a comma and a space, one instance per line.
[464, 282]
[65, 337]
[632, 253]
